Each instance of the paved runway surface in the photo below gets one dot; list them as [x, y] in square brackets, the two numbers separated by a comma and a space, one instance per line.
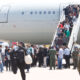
[43, 74]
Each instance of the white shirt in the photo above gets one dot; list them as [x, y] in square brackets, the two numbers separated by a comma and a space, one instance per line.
[8, 56]
[67, 26]
[0, 57]
[32, 50]
[3, 51]
[67, 51]
[60, 53]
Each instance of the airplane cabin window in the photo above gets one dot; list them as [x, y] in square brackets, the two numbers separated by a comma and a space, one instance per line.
[49, 12]
[35, 12]
[53, 12]
[31, 12]
[40, 12]
[44, 12]
[22, 13]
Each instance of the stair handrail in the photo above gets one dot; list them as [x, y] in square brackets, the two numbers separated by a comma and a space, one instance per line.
[74, 33]
[62, 18]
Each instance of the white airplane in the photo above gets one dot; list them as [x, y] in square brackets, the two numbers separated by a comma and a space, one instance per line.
[31, 21]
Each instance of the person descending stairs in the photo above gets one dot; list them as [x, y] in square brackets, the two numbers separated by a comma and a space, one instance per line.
[64, 31]
[65, 27]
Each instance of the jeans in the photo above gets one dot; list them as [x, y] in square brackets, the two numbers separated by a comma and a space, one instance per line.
[1, 67]
[59, 63]
[45, 62]
[67, 58]
[3, 57]
[8, 65]
[27, 67]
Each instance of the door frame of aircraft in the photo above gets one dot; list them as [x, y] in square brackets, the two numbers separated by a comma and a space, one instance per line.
[4, 11]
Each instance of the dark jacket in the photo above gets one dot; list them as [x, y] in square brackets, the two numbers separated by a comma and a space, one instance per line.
[18, 54]
[45, 52]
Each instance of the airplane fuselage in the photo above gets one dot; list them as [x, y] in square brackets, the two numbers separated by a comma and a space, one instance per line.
[34, 25]
[29, 23]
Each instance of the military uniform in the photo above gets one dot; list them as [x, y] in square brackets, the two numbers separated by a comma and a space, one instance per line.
[52, 54]
[75, 58]
[78, 67]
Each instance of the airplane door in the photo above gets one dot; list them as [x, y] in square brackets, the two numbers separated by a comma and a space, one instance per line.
[4, 14]
[62, 6]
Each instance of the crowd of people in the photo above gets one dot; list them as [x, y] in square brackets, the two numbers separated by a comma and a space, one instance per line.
[65, 27]
[41, 56]
[64, 31]
[13, 57]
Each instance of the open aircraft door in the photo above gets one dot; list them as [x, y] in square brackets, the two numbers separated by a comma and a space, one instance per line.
[62, 15]
[4, 10]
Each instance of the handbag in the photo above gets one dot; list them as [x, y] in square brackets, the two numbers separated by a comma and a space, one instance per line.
[28, 59]
[63, 61]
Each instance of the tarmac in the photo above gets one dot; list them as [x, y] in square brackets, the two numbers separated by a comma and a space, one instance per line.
[37, 73]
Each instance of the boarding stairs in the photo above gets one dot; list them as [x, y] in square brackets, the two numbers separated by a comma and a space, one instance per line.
[62, 18]
[74, 33]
